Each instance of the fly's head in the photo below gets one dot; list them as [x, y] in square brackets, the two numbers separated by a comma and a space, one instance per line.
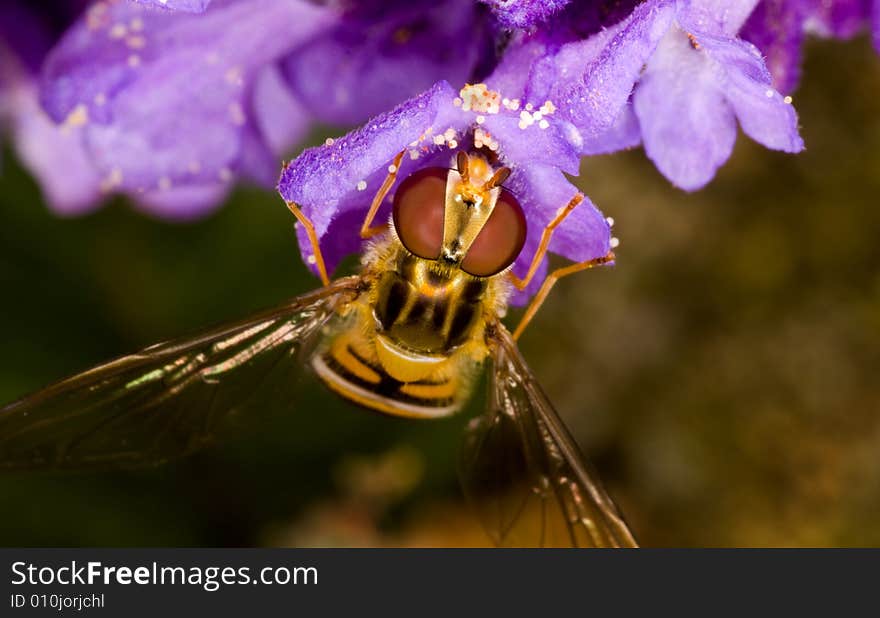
[462, 218]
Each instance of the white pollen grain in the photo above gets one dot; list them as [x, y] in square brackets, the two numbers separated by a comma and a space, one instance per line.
[361, 185]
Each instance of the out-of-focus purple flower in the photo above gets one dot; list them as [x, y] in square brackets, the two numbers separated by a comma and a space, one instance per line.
[186, 6]
[173, 107]
[778, 28]
[380, 53]
[44, 149]
[688, 76]
[875, 24]
[169, 101]
[335, 183]
[840, 19]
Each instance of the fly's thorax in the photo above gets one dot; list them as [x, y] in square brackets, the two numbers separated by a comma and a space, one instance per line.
[426, 307]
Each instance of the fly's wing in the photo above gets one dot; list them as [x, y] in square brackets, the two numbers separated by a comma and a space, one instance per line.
[523, 471]
[171, 398]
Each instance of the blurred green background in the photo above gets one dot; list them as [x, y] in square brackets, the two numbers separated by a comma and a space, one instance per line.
[723, 377]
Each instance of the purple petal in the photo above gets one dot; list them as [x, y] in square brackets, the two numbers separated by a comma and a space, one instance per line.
[583, 235]
[687, 127]
[718, 16]
[524, 142]
[776, 27]
[875, 25]
[25, 37]
[282, 121]
[763, 113]
[595, 103]
[524, 13]
[379, 59]
[54, 155]
[516, 74]
[624, 133]
[838, 18]
[182, 203]
[343, 175]
[186, 6]
[165, 99]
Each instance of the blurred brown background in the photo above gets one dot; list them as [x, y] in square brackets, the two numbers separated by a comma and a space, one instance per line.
[723, 377]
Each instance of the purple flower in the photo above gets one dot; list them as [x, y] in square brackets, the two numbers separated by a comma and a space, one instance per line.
[778, 28]
[700, 81]
[672, 74]
[335, 183]
[381, 53]
[172, 107]
[185, 6]
[25, 38]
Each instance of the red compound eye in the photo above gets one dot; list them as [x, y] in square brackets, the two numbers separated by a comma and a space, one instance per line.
[500, 241]
[418, 210]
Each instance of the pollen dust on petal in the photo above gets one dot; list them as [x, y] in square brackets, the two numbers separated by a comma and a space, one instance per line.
[478, 98]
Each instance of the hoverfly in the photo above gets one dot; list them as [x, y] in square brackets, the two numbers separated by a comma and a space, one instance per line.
[404, 337]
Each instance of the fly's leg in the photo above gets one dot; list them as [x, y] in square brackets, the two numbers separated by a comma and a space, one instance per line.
[366, 230]
[561, 214]
[313, 239]
[548, 284]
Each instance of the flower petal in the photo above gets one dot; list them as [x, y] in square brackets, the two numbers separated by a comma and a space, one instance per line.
[776, 27]
[165, 98]
[687, 127]
[344, 175]
[838, 18]
[583, 235]
[549, 140]
[624, 133]
[875, 25]
[370, 63]
[281, 119]
[594, 104]
[764, 114]
[182, 203]
[55, 156]
[186, 6]
[719, 16]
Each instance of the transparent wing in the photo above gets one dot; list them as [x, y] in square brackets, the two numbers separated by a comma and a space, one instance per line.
[523, 471]
[171, 398]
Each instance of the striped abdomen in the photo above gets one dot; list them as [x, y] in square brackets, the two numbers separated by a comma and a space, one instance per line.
[351, 368]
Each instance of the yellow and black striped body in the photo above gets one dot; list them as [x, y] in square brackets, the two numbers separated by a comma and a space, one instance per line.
[413, 341]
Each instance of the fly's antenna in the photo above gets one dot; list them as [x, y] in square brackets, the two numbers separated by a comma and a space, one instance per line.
[497, 179]
[463, 166]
